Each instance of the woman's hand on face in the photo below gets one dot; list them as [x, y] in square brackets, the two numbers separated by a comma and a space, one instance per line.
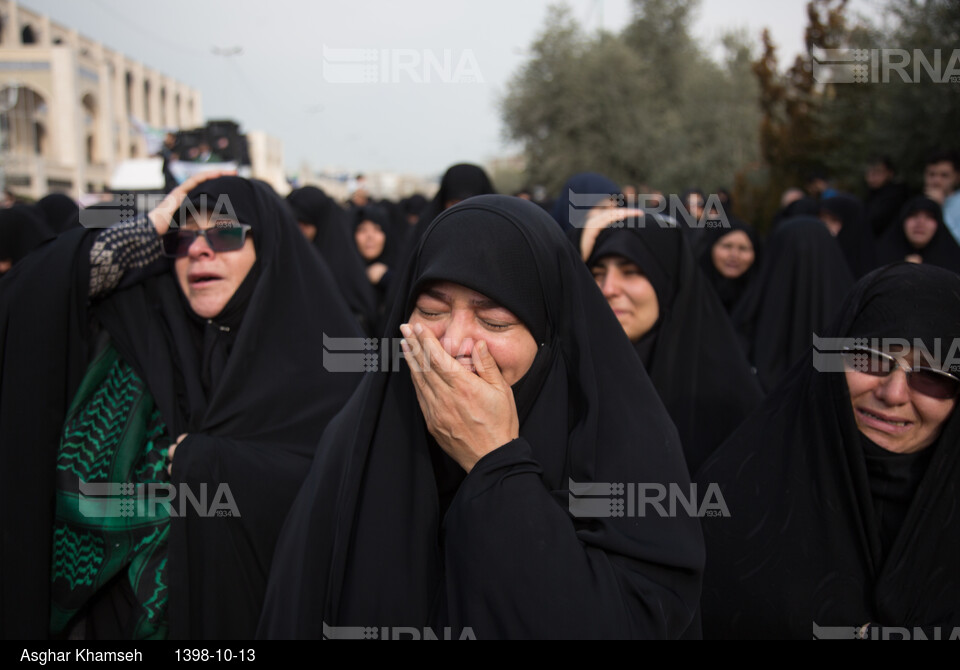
[598, 220]
[375, 272]
[163, 214]
[173, 448]
[468, 414]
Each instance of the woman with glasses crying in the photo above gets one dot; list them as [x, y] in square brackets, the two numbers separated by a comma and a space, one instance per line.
[192, 388]
[844, 487]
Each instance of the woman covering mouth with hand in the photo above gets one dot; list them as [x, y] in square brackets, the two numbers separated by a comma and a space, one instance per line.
[443, 496]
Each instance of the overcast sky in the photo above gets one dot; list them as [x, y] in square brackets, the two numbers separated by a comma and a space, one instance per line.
[292, 78]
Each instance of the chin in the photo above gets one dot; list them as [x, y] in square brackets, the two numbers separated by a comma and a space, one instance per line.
[206, 308]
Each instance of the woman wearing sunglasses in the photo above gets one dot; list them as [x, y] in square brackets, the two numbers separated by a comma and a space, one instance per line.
[199, 395]
[843, 488]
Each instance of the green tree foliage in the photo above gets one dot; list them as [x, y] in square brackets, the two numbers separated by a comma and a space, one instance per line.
[811, 125]
[903, 119]
[646, 106]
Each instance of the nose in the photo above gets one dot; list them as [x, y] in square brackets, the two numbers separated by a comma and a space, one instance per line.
[611, 283]
[199, 248]
[893, 389]
[460, 334]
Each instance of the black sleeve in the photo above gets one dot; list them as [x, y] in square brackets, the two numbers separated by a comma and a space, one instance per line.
[518, 564]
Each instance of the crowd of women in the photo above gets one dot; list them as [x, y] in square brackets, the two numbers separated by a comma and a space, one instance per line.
[491, 481]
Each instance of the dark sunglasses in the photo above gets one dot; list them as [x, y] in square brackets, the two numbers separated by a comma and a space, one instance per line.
[176, 243]
[928, 381]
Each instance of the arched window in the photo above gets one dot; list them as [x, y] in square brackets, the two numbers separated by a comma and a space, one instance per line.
[25, 114]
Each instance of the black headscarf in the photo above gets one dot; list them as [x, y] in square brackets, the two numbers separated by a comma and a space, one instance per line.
[692, 353]
[809, 539]
[729, 290]
[335, 243]
[22, 229]
[591, 188]
[855, 237]
[942, 251]
[60, 211]
[882, 206]
[379, 216]
[368, 542]
[254, 399]
[459, 182]
[801, 284]
[804, 207]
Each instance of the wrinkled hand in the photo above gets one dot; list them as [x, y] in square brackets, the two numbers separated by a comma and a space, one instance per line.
[468, 414]
[173, 448]
[598, 220]
[163, 214]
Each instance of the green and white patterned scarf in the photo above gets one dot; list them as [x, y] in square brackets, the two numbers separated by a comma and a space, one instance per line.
[113, 448]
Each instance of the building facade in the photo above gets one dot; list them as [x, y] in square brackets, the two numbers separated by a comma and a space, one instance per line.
[70, 107]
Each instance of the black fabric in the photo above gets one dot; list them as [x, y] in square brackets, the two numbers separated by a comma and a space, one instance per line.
[804, 542]
[379, 216]
[368, 544]
[335, 243]
[696, 362]
[253, 426]
[800, 286]
[894, 479]
[22, 229]
[388, 256]
[942, 251]
[396, 230]
[591, 188]
[804, 207]
[60, 212]
[882, 207]
[459, 182]
[730, 290]
[855, 237]
[45, 350]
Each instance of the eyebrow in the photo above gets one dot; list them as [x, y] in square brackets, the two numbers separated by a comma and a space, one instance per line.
[617, 260]
[481, 303]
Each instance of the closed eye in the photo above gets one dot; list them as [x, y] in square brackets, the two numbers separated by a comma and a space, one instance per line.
[427, 313]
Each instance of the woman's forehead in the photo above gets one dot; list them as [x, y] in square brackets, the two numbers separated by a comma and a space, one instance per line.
[617, 260]
[450, 291]
[207, 219]
[735, 236]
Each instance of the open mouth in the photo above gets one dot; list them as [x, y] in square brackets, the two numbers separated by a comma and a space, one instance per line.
[883, 423]
[202, 279]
